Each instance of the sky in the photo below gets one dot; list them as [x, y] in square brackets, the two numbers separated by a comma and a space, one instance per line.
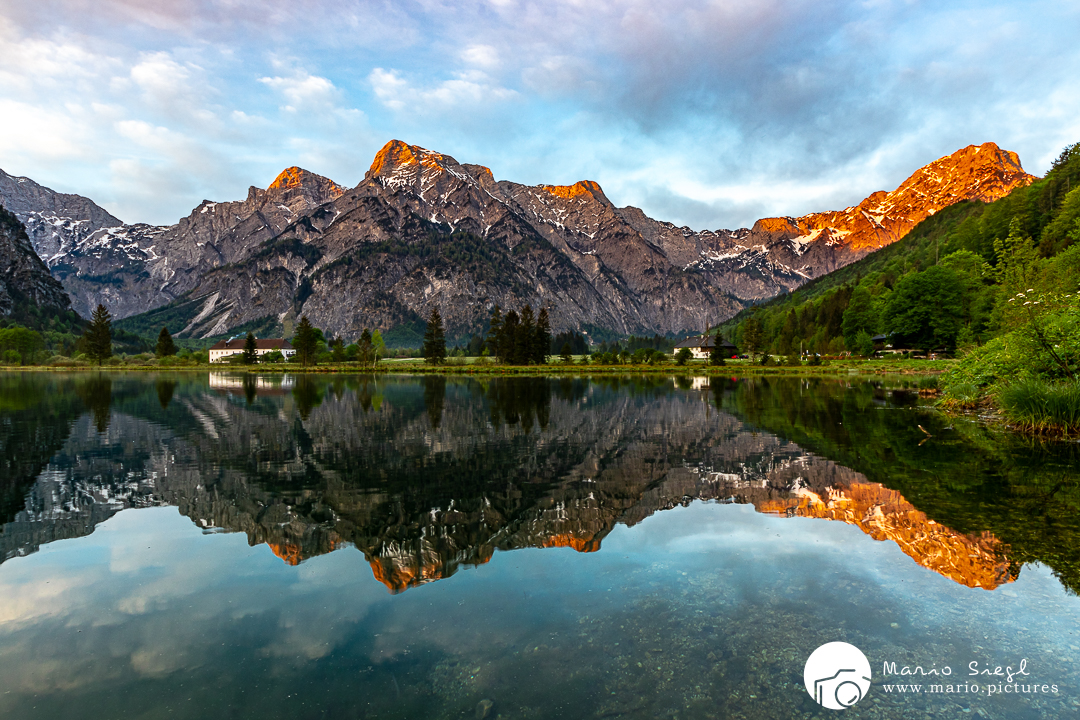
[707, 114]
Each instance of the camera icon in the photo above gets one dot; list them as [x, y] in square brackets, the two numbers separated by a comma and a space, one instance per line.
[843, 688]
[837, 675]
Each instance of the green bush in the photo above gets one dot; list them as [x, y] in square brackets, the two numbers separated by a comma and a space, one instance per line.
[12, 357]
[961, 395]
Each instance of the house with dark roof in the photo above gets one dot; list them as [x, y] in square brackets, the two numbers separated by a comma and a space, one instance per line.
[222, 349]
[701, 346]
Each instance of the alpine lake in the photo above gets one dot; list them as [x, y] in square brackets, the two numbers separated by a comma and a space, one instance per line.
[330, 546]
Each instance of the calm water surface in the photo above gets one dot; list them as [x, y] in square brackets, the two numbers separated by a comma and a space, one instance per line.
[232, 546]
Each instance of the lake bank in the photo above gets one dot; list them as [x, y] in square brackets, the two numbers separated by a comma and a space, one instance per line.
[419, 367]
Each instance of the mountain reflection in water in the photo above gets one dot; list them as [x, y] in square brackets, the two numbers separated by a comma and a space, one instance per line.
[426, 475]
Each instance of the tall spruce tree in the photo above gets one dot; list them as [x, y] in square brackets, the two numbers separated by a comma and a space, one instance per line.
[542, 342]
[305, 341]
[753, 336]
[165, 345]
[526, 336]
[511, 328]
[97, 340]
[251, 352]
[434, 339]
[366, 347]
[495, 333]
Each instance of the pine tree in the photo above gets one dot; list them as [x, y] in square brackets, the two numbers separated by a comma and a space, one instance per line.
[337, 349]
[523, 345]
[305, 341]
[495, 333]
[434, 339]
[251, 353]
[542, 344]
[716, 357]
[366, 347]
[753, 336]
[565, 353]
[165, 345]
[511, 328]
[97, 340]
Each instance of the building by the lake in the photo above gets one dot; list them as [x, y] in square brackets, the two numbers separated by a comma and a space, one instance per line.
[702, 345]
[234, 346]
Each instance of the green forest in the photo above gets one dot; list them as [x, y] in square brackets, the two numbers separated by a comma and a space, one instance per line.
[994, 284]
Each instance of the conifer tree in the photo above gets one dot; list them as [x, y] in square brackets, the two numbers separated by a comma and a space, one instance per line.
[337, 349]
[434, 339]
[367, 348]
[165, 345]
[526, 337]
[251, 353]
[753, 336]
[305, 341]
[716, 357]
[511, 328]
[97, 340]
[495, 333]
[542, 343]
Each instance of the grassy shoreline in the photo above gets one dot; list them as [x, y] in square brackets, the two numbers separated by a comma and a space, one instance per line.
[417, 367]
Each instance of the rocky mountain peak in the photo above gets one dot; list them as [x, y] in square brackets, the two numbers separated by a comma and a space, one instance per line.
[295, 177]
[977, 172]
[585, 189]
[777, 225]
[399, 163]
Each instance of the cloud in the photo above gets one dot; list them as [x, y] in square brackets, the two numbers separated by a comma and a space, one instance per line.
[303, 91]
[484, 56]
[472, 89]
[710, 111]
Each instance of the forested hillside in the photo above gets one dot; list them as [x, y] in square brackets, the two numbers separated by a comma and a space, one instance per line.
[947, 284]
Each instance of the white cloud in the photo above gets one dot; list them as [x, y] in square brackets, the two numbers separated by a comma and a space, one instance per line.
[468, 89]
[303, 91]
[484, 56]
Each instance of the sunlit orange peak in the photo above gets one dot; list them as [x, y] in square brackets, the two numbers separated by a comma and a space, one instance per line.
[288, 552]
[582, 545]
[578, 189]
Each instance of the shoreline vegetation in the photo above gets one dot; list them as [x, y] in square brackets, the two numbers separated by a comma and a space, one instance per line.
[469, 366]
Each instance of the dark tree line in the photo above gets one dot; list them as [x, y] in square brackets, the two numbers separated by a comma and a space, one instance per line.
[520, 338]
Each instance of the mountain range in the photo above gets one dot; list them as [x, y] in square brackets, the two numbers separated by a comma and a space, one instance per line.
[423, 230]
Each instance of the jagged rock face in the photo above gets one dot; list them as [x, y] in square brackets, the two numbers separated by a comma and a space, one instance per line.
[24, 279]
[133, 268]
[423, 230]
